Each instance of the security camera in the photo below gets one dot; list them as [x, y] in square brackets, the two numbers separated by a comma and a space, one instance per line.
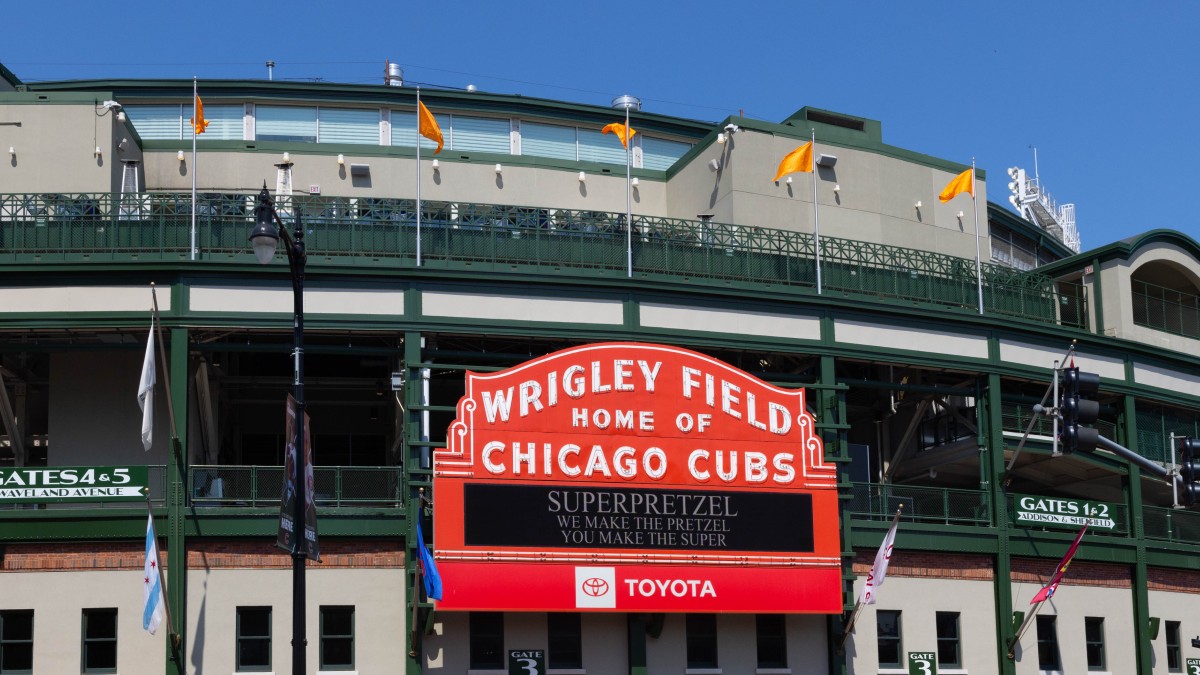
[732, 128]
[110, 105]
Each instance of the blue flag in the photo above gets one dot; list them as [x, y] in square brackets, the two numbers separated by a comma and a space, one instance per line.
[153, 602]
[429, 571]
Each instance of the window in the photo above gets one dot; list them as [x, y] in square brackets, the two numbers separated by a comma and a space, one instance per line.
[949, 654]
[595, 146]
[565, 640]
[1093, 636]
[701, 640]
[173, 122]
[100, 640]
[887, 632]
[285, 123]
[337, 637]
[487, 641]
[771, 634]
[340, 125]
[1047, 638]
[1174, 648]
[16, 641]
[225, 122]
[481, 134]
[549, 140]
[659, 153]
[404, 130]
[253, 639]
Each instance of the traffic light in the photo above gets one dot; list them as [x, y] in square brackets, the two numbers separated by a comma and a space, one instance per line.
[1189, 470]
[1078, 410]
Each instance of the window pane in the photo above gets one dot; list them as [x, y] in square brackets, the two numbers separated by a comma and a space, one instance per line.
[285, 123]
[701, 640]
[225, 122]
[18, 625]
[337, 638]
[1047, 636]
[1093, 635]
[1174, 654]
[482, 134]
[341, 125]
[487, 640]
[16, 634]
[947, 638]
[658, 153]
[157, 122]
[770, 631]
[597, 147]
[887, 630]
[254, 638]
[99, 640]
[404, 130]
[565, 640]
[100, 656]
[548, 140]
[101, 624]
[17, 658]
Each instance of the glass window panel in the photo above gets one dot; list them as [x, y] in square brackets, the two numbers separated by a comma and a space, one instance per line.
[99, 640]
[253, 639]
[597, 147]
[548, 140]
[404, 130]
[225, 122]
[337, 638]
[1093, 635]
[660, 154]
[285, 123]
[1047, 638]
[481, 134]
[16, 641]
[947, 639]
[701, 640]
[1174, 651]
[487, 640]
[343, 125]
[157, 122]
[565, 640]
[772, 640]
[887, 631]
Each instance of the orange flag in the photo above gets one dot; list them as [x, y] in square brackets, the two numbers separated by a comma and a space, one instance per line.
[800, 159]
[624, 133]
[428, 127]
[199, 124]
[963, 182]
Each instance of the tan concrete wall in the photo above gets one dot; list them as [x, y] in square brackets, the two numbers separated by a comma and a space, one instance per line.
[1115, 276]
[58, 600]
[379, 617]
[57, 142]
[1179, 607]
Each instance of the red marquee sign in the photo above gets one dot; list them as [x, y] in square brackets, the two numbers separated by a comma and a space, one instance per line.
[634, 477]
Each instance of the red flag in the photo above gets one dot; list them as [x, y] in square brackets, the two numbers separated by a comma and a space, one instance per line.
[1048, 591]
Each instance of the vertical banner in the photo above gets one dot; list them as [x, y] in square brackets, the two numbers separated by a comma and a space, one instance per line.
[287, 504]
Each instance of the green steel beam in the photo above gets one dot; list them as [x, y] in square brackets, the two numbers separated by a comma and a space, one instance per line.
[176, 497]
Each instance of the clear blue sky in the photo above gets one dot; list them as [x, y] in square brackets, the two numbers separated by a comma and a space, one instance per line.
[1106, 91]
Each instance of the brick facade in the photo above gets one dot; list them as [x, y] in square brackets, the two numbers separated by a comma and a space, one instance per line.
[233, 554]
[930, 565]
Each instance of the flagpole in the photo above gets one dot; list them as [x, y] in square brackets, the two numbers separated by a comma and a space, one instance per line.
[859, 604]
[162, 355]
[978, 264]
[418, 130]
[816, 219]
[162, 581]
[195, 95]
[1012, 642]
[628, 198]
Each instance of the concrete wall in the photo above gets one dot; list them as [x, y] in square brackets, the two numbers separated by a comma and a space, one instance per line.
[1071, 604]
[59, 141]
[1115, 280]
[380, 621]
[57, 617]
[1174, 607]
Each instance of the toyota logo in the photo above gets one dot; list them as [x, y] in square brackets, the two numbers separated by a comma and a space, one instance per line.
[595, 587]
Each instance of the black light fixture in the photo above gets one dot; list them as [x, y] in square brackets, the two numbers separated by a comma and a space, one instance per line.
[265, 236]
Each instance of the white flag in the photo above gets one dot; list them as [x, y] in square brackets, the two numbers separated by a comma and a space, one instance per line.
[879, 569]
[153, 602]
[146, 391]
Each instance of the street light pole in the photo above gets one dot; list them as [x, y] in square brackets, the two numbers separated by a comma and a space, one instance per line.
[265, 239]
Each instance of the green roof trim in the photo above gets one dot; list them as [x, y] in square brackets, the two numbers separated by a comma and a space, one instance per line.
[8, 76]
[1122, 250]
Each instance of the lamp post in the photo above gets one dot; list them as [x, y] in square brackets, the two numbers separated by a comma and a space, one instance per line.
[265, 240]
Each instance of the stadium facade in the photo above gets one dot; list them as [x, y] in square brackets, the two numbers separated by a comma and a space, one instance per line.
[514, 303]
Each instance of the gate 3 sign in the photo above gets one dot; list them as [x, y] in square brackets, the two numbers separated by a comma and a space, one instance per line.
[634, 477]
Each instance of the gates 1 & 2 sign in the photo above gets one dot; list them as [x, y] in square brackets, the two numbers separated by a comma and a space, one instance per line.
[634, 477]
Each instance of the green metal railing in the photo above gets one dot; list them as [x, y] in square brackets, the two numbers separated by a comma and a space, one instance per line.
[1171, 524]
[1165, 309]
[336, 486]
[347, 230]
[876, 501]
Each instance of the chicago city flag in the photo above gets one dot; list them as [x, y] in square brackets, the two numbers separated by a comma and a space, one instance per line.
[153, 602]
